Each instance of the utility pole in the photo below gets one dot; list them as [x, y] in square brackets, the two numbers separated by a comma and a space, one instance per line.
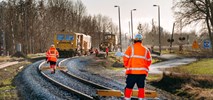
[159, 27]
[119, 26]
[172, 40]
[132, 22]
[129, 28]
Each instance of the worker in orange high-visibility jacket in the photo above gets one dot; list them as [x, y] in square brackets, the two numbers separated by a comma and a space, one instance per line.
[52, 54]
[137, 60]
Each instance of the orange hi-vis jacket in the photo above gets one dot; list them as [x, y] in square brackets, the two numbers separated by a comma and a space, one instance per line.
[52, 54]
[137, 59]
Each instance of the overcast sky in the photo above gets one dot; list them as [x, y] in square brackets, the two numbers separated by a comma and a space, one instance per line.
[145, 12]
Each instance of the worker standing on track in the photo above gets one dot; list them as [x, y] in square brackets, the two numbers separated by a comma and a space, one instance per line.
[52, 54]
[96, 52]
[107, 51]
[137, 60]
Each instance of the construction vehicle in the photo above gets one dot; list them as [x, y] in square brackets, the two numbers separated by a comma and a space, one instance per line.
[70, 44]
[110, 41]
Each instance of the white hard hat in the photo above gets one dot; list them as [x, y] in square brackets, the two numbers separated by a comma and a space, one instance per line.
[138, 37]
[52, 45]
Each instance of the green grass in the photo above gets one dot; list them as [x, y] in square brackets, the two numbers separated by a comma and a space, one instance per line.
[9, 95]
[7, 81]
[201, 67]
[7, 88]
[155, 60]
[153, 77]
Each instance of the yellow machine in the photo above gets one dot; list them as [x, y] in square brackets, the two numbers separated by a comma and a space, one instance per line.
[109, 41]
[70, 44]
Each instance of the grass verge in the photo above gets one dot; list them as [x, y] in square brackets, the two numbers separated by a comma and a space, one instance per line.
[193, 81]
[200, 67]
[7, 88]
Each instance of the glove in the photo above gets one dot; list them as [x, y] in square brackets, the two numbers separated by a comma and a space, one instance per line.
[119, 54]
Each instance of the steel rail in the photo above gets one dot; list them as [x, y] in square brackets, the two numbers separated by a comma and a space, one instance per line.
[98, 86]
[76, 92]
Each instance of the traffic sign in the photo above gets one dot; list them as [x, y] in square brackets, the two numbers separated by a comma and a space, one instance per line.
[206, 44]
[195, 45]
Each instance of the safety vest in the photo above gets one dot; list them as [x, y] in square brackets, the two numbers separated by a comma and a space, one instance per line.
[52, 54]
[137, 59]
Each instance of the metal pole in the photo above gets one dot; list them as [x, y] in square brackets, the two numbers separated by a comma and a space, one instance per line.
[132, 22]
[159, 29]
[119, 27]
[131, 25]
[172, 37]
[129, 28]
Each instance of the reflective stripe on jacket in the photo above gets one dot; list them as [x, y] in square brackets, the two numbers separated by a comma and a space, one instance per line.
[52, 54]
[137, 59]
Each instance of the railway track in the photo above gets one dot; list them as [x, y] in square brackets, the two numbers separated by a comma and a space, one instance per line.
[66, 85]
[69, 88]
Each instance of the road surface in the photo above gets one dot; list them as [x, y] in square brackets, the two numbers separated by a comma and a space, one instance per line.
[172, 61]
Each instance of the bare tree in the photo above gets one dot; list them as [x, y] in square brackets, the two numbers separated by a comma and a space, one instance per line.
[33, 22]
[195, 11]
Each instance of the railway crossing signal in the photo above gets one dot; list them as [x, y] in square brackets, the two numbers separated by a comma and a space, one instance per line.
[170, 40]
[181, 45]
[182, 38]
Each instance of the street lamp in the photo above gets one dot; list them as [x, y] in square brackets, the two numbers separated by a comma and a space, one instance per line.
[159, 27]
[119, 25]
[132, 22]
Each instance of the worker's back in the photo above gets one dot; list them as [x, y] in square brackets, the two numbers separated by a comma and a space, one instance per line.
[52, 54]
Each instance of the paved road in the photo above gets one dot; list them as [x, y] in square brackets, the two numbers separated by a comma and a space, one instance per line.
[172, 61]
[6, 64]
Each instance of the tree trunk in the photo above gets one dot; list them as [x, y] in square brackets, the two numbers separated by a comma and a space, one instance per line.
[210, 35]
[209, 17]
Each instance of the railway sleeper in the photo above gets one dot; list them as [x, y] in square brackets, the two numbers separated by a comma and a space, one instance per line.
[149, 94]
[63, 68]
